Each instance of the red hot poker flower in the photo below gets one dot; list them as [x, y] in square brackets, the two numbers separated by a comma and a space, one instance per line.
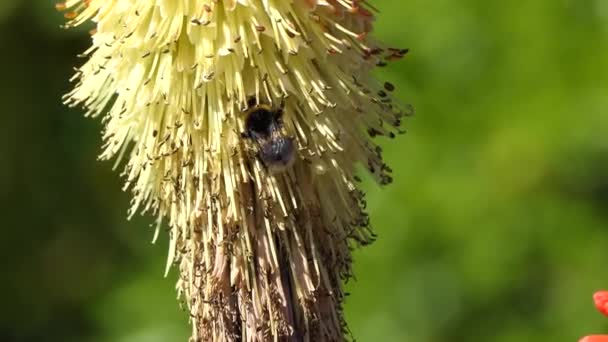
[600, 298]
[601, 301]
[594, 338]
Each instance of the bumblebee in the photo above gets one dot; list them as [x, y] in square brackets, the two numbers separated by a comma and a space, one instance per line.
[264, 126]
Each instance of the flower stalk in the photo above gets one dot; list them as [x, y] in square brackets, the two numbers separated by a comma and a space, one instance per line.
[262, 255]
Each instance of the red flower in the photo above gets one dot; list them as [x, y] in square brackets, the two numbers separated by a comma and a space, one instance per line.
[601, 301]
[594, 338]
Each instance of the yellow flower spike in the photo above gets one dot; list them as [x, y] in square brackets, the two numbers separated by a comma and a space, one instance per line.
[241, 123]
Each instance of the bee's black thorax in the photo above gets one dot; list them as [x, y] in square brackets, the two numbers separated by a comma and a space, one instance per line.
[260, 120]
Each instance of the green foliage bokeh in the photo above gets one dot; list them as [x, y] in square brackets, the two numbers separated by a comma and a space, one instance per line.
[495, 228]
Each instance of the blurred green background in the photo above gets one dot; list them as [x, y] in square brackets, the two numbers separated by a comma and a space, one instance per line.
[496, 228]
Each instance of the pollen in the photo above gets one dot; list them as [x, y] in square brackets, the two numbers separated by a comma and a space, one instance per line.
[261, 255]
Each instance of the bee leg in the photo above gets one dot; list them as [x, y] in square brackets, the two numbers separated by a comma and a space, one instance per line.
[277, 109]
[277, 112]
[252, 101]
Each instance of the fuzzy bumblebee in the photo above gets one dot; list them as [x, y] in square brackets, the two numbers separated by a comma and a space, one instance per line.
[264, 125]
[261, 199]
